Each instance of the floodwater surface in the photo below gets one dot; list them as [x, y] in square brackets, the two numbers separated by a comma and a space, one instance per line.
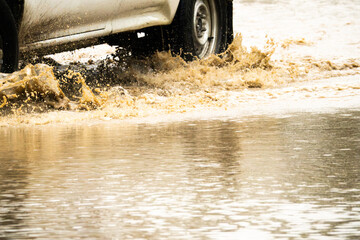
[260, 177]
[276, 43]
[261, 143]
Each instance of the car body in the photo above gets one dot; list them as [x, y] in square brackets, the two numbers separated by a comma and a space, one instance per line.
[52, 22]
[46, 26]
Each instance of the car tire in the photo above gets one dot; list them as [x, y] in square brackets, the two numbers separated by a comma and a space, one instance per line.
[182, 36]
[8, 40]
[201, 28]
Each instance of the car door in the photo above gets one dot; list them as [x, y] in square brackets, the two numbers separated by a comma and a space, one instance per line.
[136, 14]
[49, 19]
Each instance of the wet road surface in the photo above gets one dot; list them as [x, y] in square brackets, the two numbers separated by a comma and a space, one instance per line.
[258, 177]
[197, 151]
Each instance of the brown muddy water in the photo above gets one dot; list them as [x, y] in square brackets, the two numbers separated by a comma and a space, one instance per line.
[277, 43]
[259, 177]
[260, 143]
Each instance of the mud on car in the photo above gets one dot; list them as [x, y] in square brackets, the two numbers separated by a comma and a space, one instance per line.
[191, 28]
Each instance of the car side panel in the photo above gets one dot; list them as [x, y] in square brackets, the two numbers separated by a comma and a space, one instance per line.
[48, 23]
[48, 19]
[137, 14]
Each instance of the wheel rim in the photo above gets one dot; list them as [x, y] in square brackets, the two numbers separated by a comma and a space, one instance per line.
[205, 27]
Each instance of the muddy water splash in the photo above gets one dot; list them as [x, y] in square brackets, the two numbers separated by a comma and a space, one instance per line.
[35, 88]
[235, 68]
[31, 84]
[159, 84]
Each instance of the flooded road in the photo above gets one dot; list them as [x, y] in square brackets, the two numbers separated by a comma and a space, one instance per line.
[262, 143]
[277, 44]
[260, 177]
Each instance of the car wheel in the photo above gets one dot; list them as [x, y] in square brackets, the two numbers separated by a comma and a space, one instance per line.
[200, 28]
[9, 48]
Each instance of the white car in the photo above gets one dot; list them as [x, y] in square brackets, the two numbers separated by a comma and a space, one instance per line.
[192, 28]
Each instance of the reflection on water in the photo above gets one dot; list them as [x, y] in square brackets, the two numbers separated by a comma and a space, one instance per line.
[261, 177]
